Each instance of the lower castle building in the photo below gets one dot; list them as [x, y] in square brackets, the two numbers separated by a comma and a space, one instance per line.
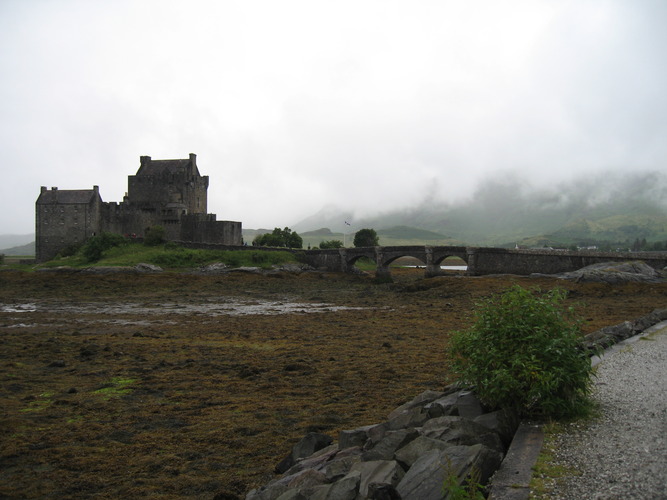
[167, 193]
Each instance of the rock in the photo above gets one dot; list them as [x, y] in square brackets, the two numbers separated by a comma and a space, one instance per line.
[426, 477]
[292, 495]
[389, 444]
[342, 463]
[307, 479]
[502, 422]
[109, 270]
[293, 268]
[615, 273]
[58, 363]
[443, 406]
[214, 268]
[421, 400]
[469, 405]
[380, 471]
[148, 268]
[382, 492]
[346, 488]
[309, 444]
[414, 417]
[461, 431]
[315, 461]
[354, 437]
[411, 452]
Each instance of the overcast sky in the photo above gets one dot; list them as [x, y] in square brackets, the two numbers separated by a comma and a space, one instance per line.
[294, 105]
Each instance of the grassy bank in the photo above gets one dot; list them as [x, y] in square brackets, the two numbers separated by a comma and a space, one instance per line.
[171, 256]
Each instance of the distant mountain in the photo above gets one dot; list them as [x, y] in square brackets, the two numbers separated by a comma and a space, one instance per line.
[15, 240]
[26, 250]
[504, 212]
[324, 232]
[329, 217]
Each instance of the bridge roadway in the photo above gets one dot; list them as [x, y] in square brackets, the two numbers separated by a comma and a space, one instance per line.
[480, 260]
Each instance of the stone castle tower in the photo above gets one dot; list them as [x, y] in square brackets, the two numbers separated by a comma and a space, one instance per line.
[168, 193]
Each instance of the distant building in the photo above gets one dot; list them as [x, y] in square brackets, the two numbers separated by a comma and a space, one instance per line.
[168, 193]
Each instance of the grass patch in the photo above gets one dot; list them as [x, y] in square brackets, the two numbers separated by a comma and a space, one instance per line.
[546, 472]
[39, 404]
[116, 388]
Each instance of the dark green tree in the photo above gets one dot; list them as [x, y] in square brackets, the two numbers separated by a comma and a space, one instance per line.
[279, 238]
[95, 246]
[366, 238]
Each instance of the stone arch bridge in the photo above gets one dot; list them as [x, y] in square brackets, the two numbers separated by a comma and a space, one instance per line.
[480, 260]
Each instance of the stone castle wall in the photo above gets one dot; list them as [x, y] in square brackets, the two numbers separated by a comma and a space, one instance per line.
[167, 193]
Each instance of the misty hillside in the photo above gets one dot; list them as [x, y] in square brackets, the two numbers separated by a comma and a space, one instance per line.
[24, 250]
[505, 212]
[15, 240]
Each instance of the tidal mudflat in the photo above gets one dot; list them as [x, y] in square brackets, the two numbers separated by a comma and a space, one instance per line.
[190, 386]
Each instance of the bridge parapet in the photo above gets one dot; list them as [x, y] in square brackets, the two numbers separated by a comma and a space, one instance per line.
[480, 260]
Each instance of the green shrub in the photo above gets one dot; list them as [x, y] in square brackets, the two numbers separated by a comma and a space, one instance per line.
[331, 244]
[524, 352]
[154, 236]
[70, 250]
[2, 258]
[95, 246]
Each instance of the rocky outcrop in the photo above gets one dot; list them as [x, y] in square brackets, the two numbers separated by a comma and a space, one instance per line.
[438, 434]
[141, 268]
[221, 268]
[615, 273]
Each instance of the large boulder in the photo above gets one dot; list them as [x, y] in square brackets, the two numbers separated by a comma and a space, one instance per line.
[461, 431]
[309, 444]
[425, 479]
[379, 472]
[615, 273]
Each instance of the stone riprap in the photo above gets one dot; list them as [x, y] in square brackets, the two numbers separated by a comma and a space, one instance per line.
[607, 337]
[408, 457]
[437, 434]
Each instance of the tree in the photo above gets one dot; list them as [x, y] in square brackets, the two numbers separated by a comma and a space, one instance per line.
[95, 246]
[279, 238]
[331, 244]
[366, 238]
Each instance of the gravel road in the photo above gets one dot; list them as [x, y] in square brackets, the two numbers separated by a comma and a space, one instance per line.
[623, 453]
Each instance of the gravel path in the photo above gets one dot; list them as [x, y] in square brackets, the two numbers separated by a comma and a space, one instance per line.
[623, 453]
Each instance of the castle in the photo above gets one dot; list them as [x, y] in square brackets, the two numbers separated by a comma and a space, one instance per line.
[167, 193]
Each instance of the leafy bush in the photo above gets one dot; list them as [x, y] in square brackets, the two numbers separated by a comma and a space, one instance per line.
[70, 250]
[2, 258]
[331, 244]
[154, 236]
[366, 238]
[524, 352]
[95, 246]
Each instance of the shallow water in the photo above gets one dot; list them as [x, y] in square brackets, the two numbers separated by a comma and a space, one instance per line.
[233, 307]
